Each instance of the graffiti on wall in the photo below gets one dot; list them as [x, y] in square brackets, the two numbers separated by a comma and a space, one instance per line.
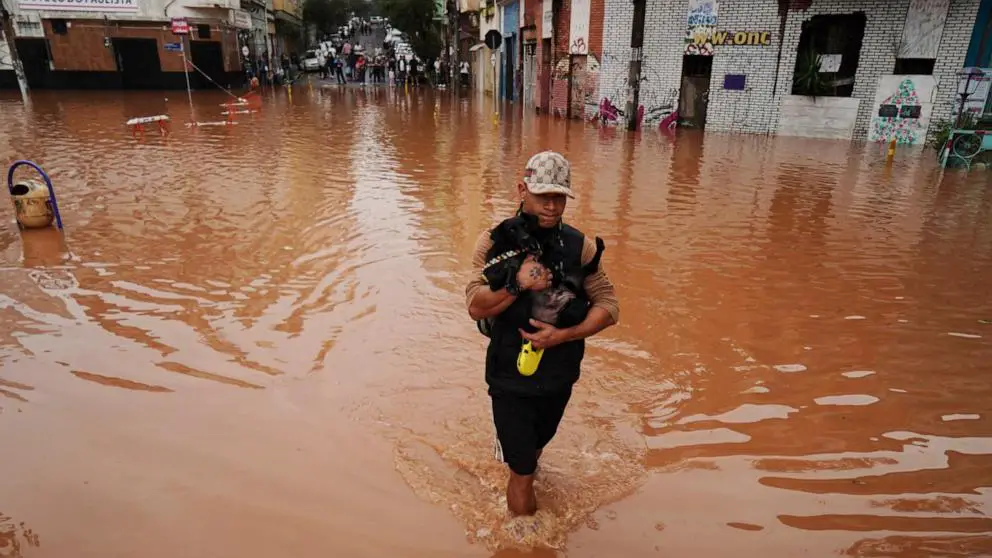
[561, 69]
[585, 85]
[901, 109]
[657, 105]
[700, 27]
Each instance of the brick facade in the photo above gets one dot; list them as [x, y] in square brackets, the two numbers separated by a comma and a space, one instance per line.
[757, 109]
[560, 60]
[533, 11]
[614, 68]
[754, 110]
[82, 48]
[661, 63]
[576, 78]
[883, 29]
[593, 62]
[961, 18]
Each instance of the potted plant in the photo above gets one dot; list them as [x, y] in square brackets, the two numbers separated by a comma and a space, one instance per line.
[808, 80]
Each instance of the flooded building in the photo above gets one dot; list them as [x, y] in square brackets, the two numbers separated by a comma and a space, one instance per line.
[468, 31]
[129, 44]
[550, 53]
[259, 36]
[484, 60]
[509, 53]
[288, 17]
[817, 68]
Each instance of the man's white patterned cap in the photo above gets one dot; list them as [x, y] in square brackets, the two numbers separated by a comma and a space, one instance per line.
[548, 172]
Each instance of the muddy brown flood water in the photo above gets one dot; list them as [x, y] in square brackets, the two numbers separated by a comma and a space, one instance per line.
[255, 342]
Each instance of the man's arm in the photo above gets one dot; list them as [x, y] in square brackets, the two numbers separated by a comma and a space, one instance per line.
[479, 299]
[605, 310]
[597, 320]
[487, 304]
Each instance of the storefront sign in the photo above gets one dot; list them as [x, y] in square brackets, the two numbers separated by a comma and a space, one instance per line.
[700, 27]
[703, 43]
[81, 5]
[547, 24]
[241, 19]
[180, 26]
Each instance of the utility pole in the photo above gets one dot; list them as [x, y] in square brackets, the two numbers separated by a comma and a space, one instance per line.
[636, 54]
[454, 15]
[15, 59]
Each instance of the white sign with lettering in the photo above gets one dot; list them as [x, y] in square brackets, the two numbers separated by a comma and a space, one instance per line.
[578, 31]
[81, 5]
[547, 24]
[241, 19]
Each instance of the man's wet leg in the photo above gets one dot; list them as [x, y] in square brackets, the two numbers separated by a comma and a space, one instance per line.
[520, 497]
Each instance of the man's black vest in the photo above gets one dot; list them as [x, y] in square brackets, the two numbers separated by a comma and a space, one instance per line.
[559, 367]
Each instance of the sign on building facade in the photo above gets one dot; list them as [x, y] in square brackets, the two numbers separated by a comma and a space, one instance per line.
[578, 30]
[546, 19]
[81, 5]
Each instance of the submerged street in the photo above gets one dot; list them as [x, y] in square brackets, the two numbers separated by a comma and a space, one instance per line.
[254, 341]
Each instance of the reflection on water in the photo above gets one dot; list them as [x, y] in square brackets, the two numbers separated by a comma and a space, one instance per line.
[799, 365]
[16, 539]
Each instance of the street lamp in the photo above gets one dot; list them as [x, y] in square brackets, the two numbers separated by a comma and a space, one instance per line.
[966, 89]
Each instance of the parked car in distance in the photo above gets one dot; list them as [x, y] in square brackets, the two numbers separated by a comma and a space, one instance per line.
[312, 60]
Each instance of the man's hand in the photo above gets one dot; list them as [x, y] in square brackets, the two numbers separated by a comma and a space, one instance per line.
[533, 276]
[546, 336]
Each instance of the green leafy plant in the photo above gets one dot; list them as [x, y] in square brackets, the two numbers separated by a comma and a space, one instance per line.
[808, 80]
[940, 130]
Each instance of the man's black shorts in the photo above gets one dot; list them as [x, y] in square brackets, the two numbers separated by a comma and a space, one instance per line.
[525, 425]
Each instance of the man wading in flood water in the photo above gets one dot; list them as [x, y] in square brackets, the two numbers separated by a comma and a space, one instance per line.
[537, 292]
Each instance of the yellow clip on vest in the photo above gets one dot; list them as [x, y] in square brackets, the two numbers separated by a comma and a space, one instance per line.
[528, 359]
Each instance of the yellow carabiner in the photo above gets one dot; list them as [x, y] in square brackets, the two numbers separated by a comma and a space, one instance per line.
[528, 359]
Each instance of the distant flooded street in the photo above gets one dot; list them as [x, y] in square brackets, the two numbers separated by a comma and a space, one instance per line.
[253, 341]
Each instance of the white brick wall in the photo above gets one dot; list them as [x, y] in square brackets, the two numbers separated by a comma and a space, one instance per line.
[661, 69]
[758, 108]
[883, 31]
[753, 110]
[961, 17]
[661, 66]
[619, 18]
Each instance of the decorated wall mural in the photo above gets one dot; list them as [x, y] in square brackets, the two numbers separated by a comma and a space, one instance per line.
[902, 109]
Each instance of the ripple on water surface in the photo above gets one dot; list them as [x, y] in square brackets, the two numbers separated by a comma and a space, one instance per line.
[313, 258]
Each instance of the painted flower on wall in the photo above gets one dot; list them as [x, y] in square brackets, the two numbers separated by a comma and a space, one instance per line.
[898, 116]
